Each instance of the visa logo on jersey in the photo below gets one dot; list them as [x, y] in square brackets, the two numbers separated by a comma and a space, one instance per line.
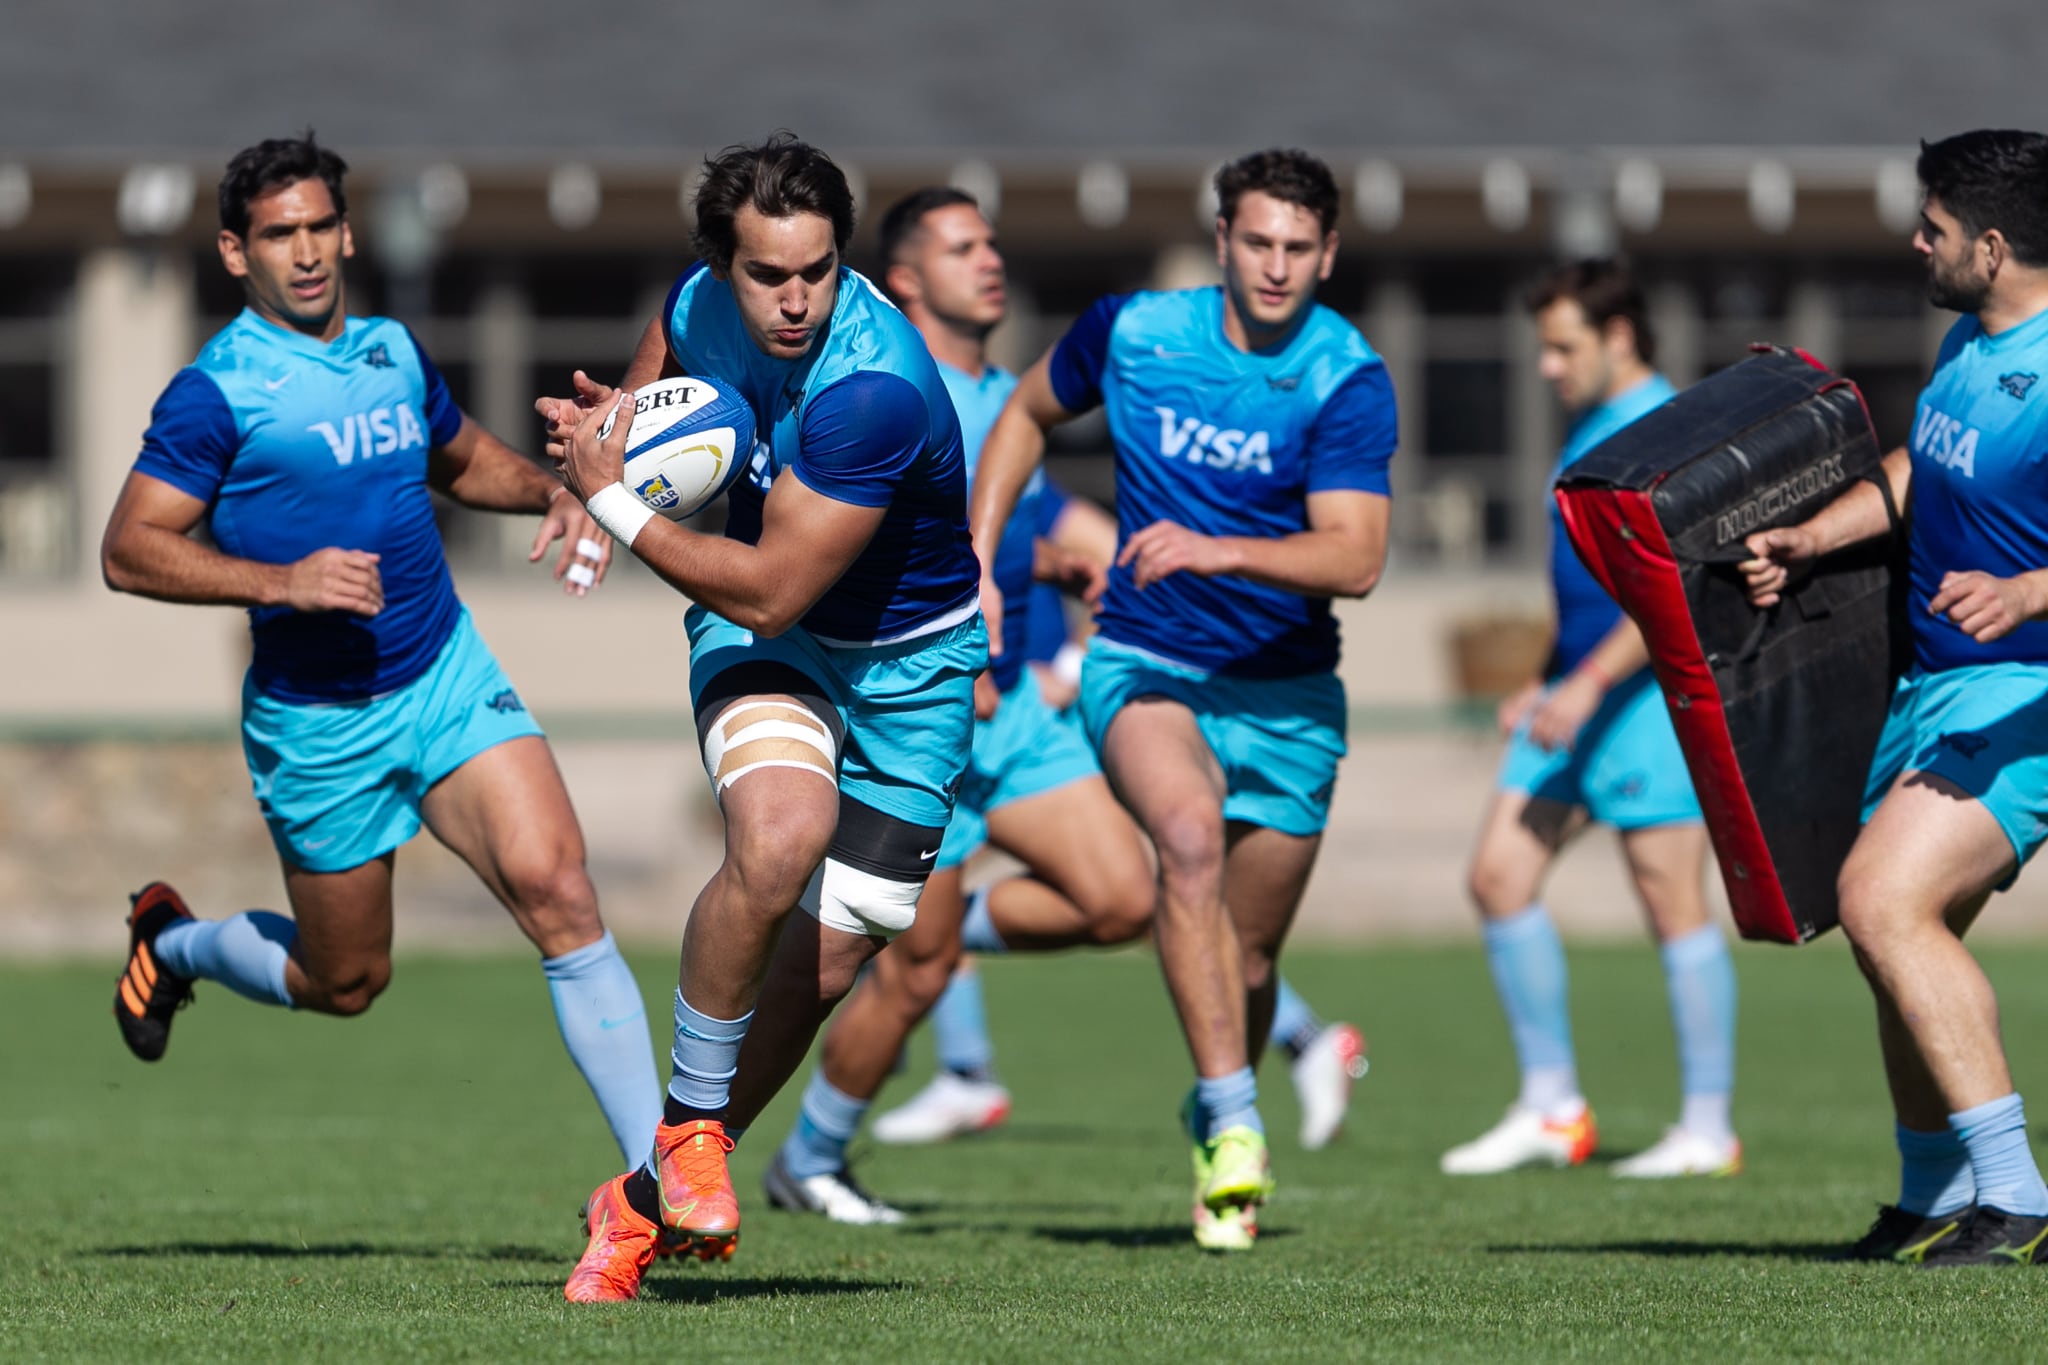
[1946, 441]
[380, 431]
[1213, 447]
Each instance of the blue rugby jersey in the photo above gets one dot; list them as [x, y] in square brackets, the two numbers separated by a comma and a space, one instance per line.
[296, 445]
[977, 402]
[1980, 482]
[1048, 609]
[863, 418]
[1225, 442]
[1585, 613]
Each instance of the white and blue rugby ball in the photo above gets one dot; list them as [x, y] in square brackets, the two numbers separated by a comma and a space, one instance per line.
[689, 440]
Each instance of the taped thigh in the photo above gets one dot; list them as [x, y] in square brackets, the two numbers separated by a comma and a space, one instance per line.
[750, 735]
[874, 872]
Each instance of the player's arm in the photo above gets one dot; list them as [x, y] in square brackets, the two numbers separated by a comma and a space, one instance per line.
[148, 550]
[1856, 516]
[1012, 452]
[1570, 702]
[478, 470]
[1341, 553]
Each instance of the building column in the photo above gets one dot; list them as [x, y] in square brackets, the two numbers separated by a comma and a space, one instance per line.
[501, 378]
[1393, 324]
[1675, 320]
[1813, 322]
[1532, 434]
[131, 331]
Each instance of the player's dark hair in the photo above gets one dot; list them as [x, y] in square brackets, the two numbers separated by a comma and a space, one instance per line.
[1286, 173]
[1993, 178]
[906, 215]
[1605, 289]
[781, 177]
[272, 164]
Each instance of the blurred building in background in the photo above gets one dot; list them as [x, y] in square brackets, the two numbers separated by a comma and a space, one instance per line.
[520, 198]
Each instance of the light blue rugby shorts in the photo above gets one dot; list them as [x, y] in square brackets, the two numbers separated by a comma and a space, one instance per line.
[1279, 740]
[906, 709]
[1984, 728]
[340, 783]
[1025, 749]
[1625, 768]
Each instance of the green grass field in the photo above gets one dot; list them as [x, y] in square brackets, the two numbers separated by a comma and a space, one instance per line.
[405, 1184]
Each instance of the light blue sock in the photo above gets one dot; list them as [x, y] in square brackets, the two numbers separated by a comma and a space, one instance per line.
[1934, 1172]
[1228, 1102]
[604, 1025]
[977, 930]
[1699, 975]
[2001, 1162]
[1295, 1025]
[1527, 959]
[246, 953]
[826, 1123]
[706, 1057]
[960, 1028]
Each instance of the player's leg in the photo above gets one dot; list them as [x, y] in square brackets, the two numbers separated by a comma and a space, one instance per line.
[505, 812]
[1549, 1123]
[1923, 862]
[809, 1173]
[1324, 1058]
[1667, 863]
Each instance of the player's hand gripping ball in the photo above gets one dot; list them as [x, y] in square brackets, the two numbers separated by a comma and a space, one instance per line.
[689, 439]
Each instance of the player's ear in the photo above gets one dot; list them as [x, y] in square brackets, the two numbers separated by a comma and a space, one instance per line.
[232, 257]
[348, 240]
[1222, 240]
[901, 283]
[1329, 254]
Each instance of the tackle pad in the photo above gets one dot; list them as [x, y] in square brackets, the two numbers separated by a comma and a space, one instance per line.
[1779, 710]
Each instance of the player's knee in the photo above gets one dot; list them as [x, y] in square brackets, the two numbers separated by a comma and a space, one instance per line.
[1118, 905]
[1495, 891]
[1869, 907]
[349, 993]
[1189, 839]
[555, 894]
[773, 855]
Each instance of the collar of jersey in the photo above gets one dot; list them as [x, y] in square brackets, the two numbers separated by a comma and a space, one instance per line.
[255, 322]
[2027, 333]
[1220, 339]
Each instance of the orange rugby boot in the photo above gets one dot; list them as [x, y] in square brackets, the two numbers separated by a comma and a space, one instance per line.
[621, 1248]
[698, 1202]
[148, 993]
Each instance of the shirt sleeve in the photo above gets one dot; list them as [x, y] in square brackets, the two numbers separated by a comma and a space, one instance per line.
[1078, 360]
[860, 437]
[444, 418]
[192, 438]
[1353, 437]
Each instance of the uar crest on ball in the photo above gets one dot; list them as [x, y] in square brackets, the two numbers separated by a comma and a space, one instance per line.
[689, 439]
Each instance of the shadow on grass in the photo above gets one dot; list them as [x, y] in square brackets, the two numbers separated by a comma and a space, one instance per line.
[1174, 1235]
[1677, 1250]
[1023, 1132]
[709, 1287]
[337, 1251]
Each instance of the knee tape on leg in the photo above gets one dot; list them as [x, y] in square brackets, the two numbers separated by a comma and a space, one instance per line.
[855, 902]
[767, 734]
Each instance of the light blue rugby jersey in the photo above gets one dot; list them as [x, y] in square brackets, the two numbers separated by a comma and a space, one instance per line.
[978, 401]
[1980, 482]
[1226, 442]
[296, 445]
[1585, 613]
[862, 418]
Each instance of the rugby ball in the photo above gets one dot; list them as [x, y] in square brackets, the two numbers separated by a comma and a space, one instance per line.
[689, 439]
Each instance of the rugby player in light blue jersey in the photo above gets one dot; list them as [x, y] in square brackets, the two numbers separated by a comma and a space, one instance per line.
[1592, 738]
[1253, 429]
[307, 442]
[835, 642]
[1957, 800]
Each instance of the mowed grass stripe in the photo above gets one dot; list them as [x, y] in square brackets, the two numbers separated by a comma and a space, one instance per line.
[405, 1185]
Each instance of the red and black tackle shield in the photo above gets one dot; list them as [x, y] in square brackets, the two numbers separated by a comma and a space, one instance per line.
[1779, 710]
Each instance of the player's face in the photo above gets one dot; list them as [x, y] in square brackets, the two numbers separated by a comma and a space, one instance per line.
[290, 259]
[955, 270]
[1958, 273]
[785, 278]
[1273, 255]
[1578, 359]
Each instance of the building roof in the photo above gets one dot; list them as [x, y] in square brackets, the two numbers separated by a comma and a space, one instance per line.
[516, 81]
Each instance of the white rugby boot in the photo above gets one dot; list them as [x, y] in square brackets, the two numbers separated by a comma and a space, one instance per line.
[1322, 1082]
[950, 1105]
[1527, 1137]
[837, 1196]
[1683, 1152]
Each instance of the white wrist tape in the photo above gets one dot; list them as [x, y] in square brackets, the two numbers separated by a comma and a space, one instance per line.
[620, 513]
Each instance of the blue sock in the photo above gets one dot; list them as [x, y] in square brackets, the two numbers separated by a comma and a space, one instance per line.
[2001, 1162]
[604, 1025]
[1295, 1025]
[960, 1028]
[1699, 975]
[977, 930]
[1934, 1172]
[706, 1057]
[826, 1123]
[246, 953]
[1228, 1102]
[1527, 959]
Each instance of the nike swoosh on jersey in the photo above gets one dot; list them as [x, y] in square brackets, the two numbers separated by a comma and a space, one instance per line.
[275, 384]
